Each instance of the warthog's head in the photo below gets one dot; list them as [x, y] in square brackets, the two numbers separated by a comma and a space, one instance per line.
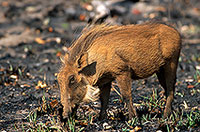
[74, 84]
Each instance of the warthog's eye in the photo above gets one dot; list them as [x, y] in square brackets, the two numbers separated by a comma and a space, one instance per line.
[71, 79]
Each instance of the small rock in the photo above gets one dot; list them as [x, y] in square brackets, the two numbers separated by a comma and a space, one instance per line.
[189, 80]
[198, 67]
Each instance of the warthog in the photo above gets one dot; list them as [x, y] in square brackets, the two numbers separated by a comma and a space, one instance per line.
[104, 53]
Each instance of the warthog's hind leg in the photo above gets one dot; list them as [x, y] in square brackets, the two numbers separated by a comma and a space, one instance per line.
[167, 79]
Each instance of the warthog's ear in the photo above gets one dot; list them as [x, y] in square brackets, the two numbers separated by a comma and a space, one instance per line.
[84, 67]
[89, 70]
[83, 60]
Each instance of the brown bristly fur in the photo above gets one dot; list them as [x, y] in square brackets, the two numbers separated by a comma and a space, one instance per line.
[89, 34]
[104, 53]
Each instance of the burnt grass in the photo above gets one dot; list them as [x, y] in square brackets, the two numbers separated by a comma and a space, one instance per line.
[33, 36]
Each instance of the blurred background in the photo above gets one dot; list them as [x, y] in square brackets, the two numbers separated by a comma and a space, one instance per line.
[35, 33]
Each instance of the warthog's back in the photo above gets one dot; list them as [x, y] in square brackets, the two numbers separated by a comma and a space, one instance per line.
[144, 48]
[105, 53]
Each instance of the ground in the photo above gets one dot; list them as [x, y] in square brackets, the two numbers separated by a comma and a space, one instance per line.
[33, 36]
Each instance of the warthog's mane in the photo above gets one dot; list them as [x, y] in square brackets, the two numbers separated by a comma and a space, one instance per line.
[92, 32]
[87, 37]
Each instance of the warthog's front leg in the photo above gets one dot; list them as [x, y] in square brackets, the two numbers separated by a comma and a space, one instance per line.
[104, 98]
[125, 82]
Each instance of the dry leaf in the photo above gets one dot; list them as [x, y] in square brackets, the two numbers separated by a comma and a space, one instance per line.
[136, 105]
[190, 86]
[88, 7]
[39, 41]
[136, 12]
[112, 118]
[50, 29]
[137, 128]
[41, 85]
[83, 123]
[161, 8]
[26, 85]
[58, 54]
[82, 17]
[37, 87]
[5, 4]
[57, 39]
[47, 123]
[152, 15]
[53, 103]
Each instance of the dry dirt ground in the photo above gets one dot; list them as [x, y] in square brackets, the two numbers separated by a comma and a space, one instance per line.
[33, 36]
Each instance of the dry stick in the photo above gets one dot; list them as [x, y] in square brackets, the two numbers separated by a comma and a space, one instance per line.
[169, 6]
[120, 96]
[116, 91]
[191, 41]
